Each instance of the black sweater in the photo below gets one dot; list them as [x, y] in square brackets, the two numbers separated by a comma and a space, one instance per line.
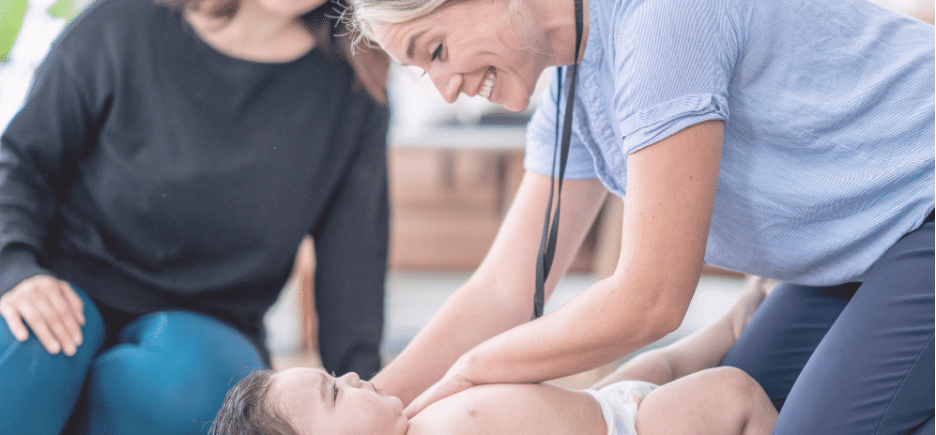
[154, 172]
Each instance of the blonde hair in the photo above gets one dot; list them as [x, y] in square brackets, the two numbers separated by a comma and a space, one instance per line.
[360, 15]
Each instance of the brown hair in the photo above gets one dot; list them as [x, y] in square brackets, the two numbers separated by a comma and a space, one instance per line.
[247, 411]
[370, 64]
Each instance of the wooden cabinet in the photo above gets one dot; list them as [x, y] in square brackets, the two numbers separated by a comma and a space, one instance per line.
[448, 203]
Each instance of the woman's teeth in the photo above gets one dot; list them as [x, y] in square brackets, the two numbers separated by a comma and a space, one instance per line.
[488, 83]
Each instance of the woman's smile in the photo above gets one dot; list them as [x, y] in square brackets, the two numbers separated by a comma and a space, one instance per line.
[488, 84]
[472, 48]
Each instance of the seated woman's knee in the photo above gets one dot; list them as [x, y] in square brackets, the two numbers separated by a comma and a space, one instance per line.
[162, 391]
[173, 372]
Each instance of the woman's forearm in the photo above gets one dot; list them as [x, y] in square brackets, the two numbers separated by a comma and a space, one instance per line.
[467, 318]
[499, 295]
[701, 350]
[587, 332]
[671, 191]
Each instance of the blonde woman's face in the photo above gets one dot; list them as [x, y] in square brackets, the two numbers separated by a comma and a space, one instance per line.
[473, 47]
[313, 402]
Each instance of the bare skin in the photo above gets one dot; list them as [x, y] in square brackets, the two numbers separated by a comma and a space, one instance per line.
[722, 400]
[520, 409]
[716, 401]
[52, 310]
[693, 398]
[697, 352]
[671, 191]
[501, 290]
[463, 44]
[260, 31]
[670, 197]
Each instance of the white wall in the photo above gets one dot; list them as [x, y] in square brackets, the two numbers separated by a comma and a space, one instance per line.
[36, 35]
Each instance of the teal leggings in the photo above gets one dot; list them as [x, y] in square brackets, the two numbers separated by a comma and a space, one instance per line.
[167, 374]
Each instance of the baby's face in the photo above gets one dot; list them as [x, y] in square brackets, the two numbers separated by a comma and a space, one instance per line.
[313, 402]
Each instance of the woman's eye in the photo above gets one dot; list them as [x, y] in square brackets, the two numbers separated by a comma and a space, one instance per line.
[335, 391]
[436, 53]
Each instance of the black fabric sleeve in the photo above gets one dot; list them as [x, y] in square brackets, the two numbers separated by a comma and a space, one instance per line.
[38, 153]
[351, 246]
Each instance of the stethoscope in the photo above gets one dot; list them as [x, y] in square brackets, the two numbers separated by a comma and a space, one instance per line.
[547, 249]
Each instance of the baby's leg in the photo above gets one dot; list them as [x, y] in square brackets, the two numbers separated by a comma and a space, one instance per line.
[744, 308]
[701, 350]
[718, 401]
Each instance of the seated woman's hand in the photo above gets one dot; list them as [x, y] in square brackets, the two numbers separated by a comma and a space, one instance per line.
[50, 307]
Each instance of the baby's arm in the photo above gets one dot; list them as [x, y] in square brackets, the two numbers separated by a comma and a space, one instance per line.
[703, 349]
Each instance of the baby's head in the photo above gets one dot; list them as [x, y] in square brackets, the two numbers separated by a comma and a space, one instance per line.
[306, 401]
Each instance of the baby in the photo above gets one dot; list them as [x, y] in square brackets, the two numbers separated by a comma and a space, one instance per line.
[673, 389]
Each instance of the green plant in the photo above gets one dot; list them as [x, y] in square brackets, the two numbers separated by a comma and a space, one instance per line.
[13, 13]
[66, 8]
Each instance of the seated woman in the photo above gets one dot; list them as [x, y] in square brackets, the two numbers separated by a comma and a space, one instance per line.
[692, 397]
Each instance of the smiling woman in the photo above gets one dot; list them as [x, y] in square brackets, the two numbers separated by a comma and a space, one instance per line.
[732, 129]
[471, 48]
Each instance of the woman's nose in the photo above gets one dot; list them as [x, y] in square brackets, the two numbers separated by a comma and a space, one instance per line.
[448, 84]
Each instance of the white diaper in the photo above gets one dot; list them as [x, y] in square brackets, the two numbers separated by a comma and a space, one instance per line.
[619, 403]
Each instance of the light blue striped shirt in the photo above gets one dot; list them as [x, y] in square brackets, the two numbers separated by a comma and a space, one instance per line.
[828, 153]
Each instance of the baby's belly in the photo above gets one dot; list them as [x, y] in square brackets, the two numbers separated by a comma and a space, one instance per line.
[512, 409]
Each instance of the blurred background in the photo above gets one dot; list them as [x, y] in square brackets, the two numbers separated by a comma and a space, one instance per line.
[453, 171]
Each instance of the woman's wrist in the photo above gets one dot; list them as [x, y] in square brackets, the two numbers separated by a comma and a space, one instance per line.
[479, 366]
[462, 369]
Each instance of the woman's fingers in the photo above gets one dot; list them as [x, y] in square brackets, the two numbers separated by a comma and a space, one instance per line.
[74, 302]
[37, 322]
[447, 386]
[63, 322]
[422, 401]
[50, 308]
[14, 321]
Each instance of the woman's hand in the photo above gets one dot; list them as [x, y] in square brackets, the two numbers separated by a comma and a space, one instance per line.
[450, 384]
[52, 310]
[499, 295]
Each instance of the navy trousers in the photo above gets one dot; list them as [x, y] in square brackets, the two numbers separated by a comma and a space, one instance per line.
[167, 374]
[850, 359]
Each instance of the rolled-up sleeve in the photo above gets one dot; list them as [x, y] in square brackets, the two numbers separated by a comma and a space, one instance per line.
[672, 62]
[541, 139]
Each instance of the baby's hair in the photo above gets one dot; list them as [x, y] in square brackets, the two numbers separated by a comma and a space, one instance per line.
[247, 411]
